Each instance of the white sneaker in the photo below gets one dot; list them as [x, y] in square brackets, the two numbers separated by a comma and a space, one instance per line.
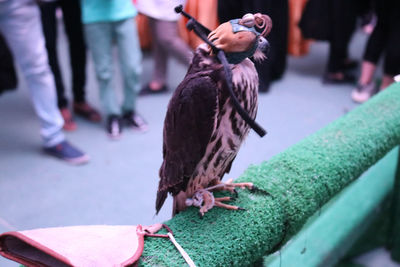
[363, 92]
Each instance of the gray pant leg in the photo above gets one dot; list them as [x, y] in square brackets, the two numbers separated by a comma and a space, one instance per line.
[167, 42]
[130, 59]
[21, 26]
[99, 37]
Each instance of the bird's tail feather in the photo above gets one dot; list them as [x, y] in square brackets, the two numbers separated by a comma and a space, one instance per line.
[179, 203]
[161, 196]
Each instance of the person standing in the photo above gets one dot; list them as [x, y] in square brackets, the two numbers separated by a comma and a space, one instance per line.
[77, 54]
[105, 23]
[22, 29]
[384, 40]
[166, 41]
[343, 15]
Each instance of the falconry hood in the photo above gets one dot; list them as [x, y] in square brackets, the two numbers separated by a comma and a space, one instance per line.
[236, 40]
[248, 24]
[241, 38]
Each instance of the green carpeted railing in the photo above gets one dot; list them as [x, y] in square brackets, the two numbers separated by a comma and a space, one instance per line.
[355, 221]
[300, 180]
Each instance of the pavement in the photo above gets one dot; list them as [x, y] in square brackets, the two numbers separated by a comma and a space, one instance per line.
[118, 185]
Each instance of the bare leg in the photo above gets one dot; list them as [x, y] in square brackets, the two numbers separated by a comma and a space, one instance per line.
[386, 81]
[367, 72]
[366, 86]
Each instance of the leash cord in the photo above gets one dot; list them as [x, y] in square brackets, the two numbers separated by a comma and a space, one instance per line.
[181, 250]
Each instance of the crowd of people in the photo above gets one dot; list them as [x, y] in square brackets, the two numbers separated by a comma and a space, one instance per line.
[29, 29]
[381, 22]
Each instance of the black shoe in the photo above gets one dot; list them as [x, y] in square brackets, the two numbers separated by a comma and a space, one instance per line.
[333, 78]
[67, 152]
[114, 126]
[135, 121]
[148, 91]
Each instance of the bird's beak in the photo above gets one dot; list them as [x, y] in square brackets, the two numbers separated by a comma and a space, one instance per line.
[263, 45]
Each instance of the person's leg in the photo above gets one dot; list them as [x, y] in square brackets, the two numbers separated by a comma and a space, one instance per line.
[169, 38]
[366, 85]
[20, 23]
[77, 49]
[160, 57]
[373, 51]
[21, 26]
[391, 66]
[375, 46]
[367, 72]
[130, 58]
[344, 14]
[166, 41]
[8, 74]
[49, 23]
[77, 52]
[387, 80]
[99, 41]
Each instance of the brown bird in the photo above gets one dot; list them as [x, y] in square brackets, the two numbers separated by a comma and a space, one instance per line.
[202, 130]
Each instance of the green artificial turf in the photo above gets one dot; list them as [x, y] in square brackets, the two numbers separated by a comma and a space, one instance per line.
[300, 180]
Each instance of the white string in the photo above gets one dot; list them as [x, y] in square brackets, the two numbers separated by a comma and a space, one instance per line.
[183, 252]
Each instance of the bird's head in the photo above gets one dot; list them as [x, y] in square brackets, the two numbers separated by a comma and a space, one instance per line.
[243, 38]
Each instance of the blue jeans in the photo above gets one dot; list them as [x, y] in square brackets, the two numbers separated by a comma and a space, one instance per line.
[99, 38]
[21, 26]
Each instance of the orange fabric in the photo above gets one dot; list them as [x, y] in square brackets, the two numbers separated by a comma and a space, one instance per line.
[205, 11]
[142, 23]
[297, 45]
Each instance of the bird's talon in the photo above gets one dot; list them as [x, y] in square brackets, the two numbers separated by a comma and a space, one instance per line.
[231, 199]
[235, 192]
[239, 208]
[255, 189]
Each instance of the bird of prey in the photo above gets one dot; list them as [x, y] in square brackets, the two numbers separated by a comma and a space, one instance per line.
[202, 130]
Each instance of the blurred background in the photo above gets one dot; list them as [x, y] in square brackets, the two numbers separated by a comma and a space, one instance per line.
[305, 84]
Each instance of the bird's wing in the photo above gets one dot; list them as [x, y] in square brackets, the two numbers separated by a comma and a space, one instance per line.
[188, 126]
